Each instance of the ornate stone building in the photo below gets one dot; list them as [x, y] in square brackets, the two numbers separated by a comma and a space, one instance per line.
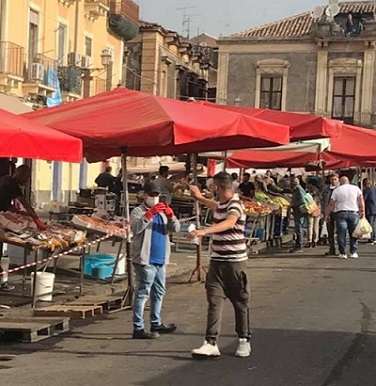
[322, 65]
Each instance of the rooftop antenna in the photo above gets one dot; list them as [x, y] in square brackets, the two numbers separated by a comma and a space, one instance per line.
[187, 19]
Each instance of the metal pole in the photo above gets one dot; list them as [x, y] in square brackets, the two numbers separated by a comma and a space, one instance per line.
[224, 161]
[128, 297]
[197, 213]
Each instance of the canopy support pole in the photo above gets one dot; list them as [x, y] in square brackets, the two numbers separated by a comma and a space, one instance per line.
[199, 270]
[127, 300]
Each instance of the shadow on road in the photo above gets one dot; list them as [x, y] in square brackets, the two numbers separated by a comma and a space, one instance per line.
[329, 359]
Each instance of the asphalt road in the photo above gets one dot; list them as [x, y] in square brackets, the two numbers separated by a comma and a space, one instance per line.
[313, 325]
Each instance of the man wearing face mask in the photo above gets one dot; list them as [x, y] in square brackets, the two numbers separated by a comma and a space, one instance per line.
[151, 223]
[10, 190]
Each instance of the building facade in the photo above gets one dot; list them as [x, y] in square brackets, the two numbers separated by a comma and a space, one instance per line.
[54, 51]
[161, 62]
[321, 65]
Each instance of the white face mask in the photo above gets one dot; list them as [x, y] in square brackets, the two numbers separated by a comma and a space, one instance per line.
[151, 201]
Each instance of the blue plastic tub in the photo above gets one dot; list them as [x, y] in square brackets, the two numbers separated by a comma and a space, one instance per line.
[99, 265]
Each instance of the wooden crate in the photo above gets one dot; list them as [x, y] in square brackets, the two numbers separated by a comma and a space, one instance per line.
[71, 311]
[108, 303]
[31, 329]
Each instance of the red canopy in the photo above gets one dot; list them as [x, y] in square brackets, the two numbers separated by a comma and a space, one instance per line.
[355, 144]
[271, 159]
[148, 125]
[23, 138]
[302, 126]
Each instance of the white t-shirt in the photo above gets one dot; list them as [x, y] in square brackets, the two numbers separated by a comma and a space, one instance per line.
[346, 198]
[235, 186]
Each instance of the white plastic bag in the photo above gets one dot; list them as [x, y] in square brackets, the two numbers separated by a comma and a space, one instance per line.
[362, 229]
[324, 230]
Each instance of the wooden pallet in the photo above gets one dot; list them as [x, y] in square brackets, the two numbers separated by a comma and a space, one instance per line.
[108, 303]
[31, 329]
[71, 311]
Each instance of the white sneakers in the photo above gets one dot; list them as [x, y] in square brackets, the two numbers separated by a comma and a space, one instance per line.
[208, 350]
[244, 348]
[344, 256]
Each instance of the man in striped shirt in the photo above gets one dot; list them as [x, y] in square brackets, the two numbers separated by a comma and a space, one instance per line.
[227, 277]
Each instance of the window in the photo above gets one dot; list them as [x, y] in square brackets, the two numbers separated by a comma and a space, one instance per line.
[62, 39]
[344, 99]
[33, 35]
[271, 92]
[88, 46]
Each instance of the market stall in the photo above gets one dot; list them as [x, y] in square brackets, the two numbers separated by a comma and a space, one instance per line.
[23, 138]
[19, 230]
[178, 128]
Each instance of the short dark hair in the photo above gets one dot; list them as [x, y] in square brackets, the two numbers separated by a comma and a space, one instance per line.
[223, 180]
[234, 176]
[108, 169]
[334, 175]
[247, 175]
[163, 169]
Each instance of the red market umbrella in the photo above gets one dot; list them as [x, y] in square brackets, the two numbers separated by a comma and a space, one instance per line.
[147, 125]
[271, 159]
[23, 138]
[302, 126]
[356, 145]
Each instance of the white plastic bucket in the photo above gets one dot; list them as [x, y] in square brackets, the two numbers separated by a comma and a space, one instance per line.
[44, 286]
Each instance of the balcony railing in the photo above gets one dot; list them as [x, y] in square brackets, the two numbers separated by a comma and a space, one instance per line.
[70, 79]
[42, 69]
[12, 59]
[127, 8]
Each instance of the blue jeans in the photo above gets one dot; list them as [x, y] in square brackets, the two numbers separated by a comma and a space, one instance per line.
[372, 220]
[299, 219]
[346, 222]
[150, 282]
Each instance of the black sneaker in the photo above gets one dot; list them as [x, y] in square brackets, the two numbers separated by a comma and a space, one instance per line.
[331, 253]
[162, 329]
[7, 287]
[142, 334]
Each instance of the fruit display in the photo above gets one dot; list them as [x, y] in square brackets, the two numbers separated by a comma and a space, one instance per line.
[254, 208]
[276, 201]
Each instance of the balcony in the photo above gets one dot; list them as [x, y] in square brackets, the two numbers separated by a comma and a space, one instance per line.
[70, 80]
[96, 8]
[41, 76]
[124, 18]
[12, 59]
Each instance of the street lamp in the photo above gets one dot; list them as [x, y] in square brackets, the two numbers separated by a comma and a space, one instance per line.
[106, 59]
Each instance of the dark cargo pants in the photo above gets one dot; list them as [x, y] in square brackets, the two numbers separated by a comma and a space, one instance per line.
[227, 280]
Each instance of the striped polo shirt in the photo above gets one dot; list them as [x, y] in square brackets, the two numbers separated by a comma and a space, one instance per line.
[229, 245]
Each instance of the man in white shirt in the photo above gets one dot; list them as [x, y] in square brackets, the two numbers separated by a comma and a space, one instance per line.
[235, 182]
[348, 204]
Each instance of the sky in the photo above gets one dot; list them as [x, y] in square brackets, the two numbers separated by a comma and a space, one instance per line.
[221, 17]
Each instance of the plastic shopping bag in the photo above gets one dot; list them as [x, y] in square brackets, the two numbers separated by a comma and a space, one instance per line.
[363, 229]
[324, 230]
